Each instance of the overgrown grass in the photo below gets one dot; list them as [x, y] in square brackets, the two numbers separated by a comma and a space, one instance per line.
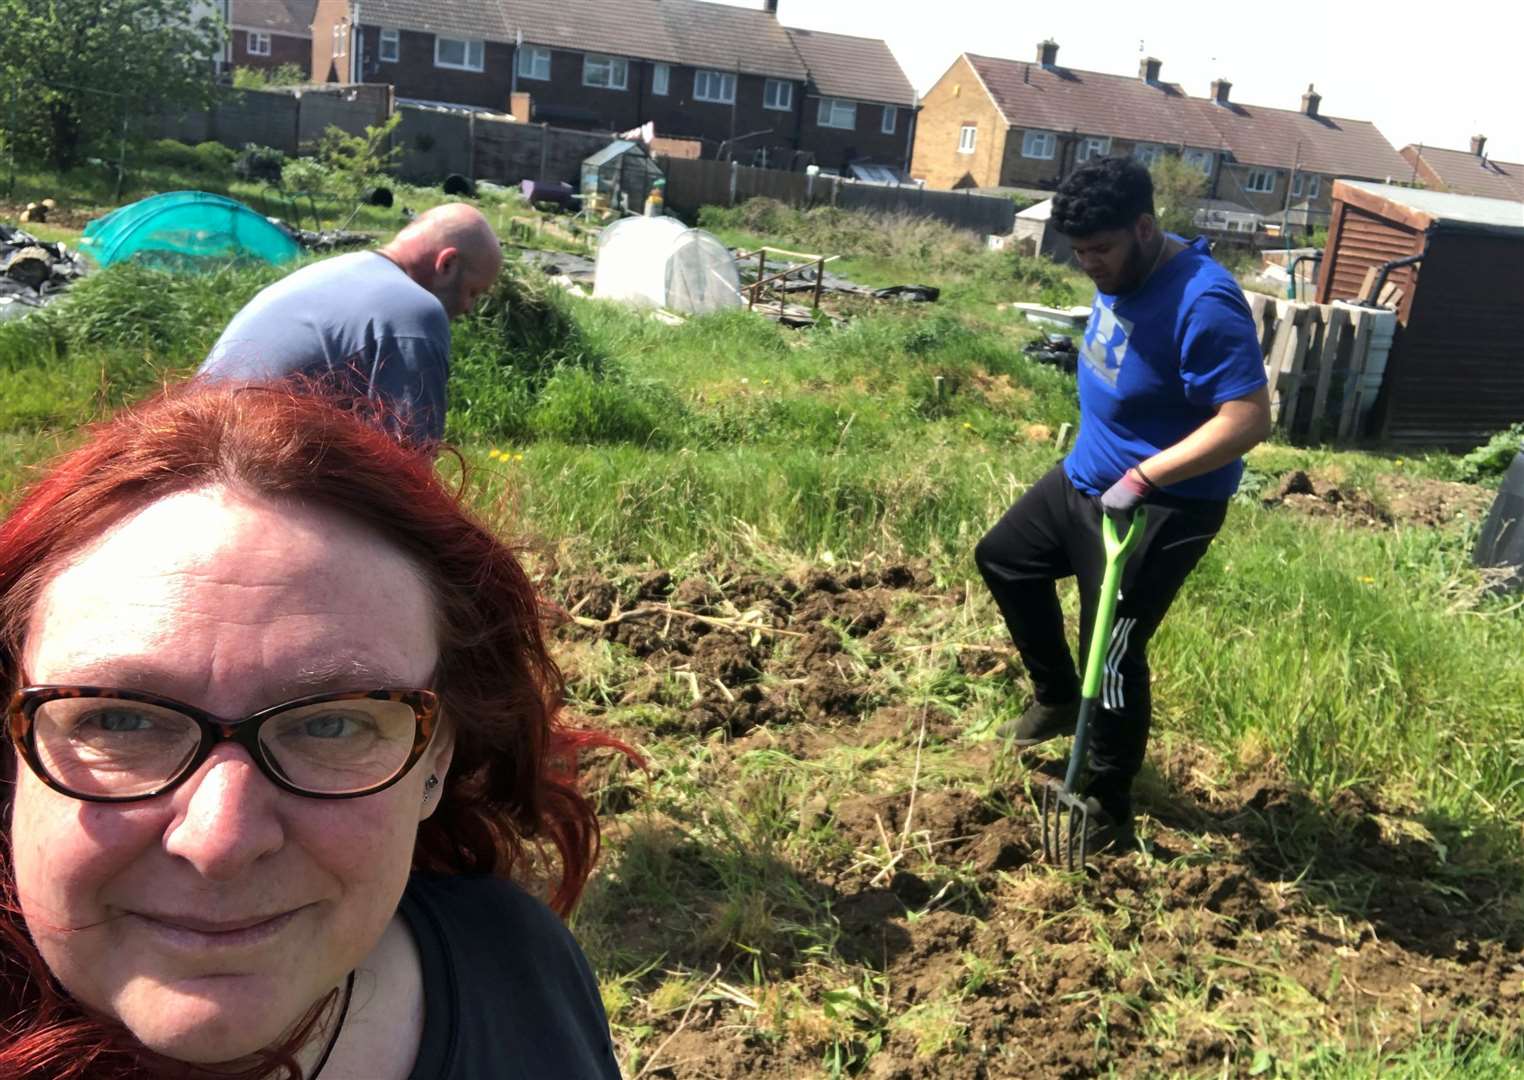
[1353, 659]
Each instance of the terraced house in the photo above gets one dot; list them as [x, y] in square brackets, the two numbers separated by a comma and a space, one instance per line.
[991, 122]
[735, 78]
[267, 34]
[1465, 173]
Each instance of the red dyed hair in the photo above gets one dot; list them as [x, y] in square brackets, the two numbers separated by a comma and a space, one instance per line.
[511, 791]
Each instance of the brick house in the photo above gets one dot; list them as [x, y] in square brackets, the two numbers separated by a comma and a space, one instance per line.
[996, 122]
[1472, 173]
[732, 77]
[268, 33]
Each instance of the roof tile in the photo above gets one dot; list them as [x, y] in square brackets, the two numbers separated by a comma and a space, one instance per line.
[292, 18]
[853, 67]
[1127, 107]
[1470, 174]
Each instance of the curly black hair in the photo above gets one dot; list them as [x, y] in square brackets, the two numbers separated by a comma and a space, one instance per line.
[1110, 193]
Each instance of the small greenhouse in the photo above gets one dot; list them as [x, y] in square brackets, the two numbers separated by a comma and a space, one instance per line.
[186, 224]
[620, 175]
[660, 262]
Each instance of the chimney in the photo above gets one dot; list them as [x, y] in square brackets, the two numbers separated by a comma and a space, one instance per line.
[1047, 53]
[1148, 70]
[1479, 145]
[771, 7]
[1310, 101]
[1220, 88]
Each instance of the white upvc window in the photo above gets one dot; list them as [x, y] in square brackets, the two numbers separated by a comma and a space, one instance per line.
[1305, 184]
[391, 45]
[533, 62]
[259, 44]
[340, 40]
[716, 86]
[460, 54]
[1039, 144]
[889, 121]
[1093, 146]
[605, 72]
[1262, 180]
[1200, 160]
[661, 78]
[837, 113]
[1148, 152]
[968, 137]
[778, 94]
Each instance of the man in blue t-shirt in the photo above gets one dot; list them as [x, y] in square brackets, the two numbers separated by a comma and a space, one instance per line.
[1172, 394]
[370, 324]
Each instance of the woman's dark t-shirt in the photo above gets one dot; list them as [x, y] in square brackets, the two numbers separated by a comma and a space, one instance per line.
[508, 994]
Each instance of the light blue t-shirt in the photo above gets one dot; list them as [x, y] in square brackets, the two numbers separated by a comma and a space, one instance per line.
[357, 319]
[1155, 365]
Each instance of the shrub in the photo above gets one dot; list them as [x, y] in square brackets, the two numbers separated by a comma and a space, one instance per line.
[208, 159]
[1490, 460]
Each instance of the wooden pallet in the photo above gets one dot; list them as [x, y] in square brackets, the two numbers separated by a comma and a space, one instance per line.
[1323, 371]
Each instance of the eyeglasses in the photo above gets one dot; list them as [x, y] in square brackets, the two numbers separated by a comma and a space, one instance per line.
[105, 745]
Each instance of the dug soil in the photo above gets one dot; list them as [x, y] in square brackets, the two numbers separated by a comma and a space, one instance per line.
[1347, 921]
[1401, 500]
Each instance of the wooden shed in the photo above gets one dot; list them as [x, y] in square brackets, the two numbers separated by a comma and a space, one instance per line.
[1456, 372]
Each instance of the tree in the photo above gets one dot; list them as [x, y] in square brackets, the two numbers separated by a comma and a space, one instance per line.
[76, 71]
[1177, 188]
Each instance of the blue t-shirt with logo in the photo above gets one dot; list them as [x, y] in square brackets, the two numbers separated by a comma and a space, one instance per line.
[1155, 365]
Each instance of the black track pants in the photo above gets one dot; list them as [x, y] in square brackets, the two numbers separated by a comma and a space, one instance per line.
[1054, 531]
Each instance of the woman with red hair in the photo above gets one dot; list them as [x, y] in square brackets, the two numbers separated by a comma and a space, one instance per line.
[282, 728]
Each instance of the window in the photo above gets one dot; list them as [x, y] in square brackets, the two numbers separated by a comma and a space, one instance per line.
[837, 113]
[533, 62]
[259, 44]
[716, 86]
[967, 138]
[1304, 184]
[605, 72]
[340, 40]
[456, 53]
[391, 46]
[661, 75]
[1148, 153]
[777, 94]
[1261, 180]
[886, 125]
[1039, 144]
[1201, 160]
[1094, 146]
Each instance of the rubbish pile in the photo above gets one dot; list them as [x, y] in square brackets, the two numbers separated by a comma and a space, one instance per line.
[32, 273]
[1055, 349]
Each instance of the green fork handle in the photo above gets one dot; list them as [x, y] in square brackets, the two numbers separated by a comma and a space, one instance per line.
[1117, 551]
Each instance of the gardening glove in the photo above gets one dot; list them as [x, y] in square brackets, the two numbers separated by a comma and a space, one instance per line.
[1123, 497]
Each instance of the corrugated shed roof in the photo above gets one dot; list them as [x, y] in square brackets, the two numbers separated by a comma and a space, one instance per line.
[853, 67]
[1091, 102]
[1470, 174]
[1066, 99]
[290, 17]
[1257, 135]
[473, 19]
[1502, 215]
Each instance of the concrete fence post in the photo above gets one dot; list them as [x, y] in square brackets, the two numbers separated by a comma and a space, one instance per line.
[734, 173]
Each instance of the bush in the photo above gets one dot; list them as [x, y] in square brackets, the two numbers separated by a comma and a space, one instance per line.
[208, 159]
[1053, 284]
[1490, 460]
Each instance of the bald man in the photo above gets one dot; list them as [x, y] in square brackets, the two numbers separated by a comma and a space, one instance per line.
[371, 323]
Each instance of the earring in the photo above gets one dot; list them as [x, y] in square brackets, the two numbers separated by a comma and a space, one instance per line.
[428, 787]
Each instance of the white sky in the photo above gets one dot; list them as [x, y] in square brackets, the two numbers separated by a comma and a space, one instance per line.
[1436, 72]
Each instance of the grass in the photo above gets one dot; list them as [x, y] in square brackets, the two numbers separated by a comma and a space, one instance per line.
[1345, 662]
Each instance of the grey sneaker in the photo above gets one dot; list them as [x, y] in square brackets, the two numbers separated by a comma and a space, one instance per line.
[1040, 723]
